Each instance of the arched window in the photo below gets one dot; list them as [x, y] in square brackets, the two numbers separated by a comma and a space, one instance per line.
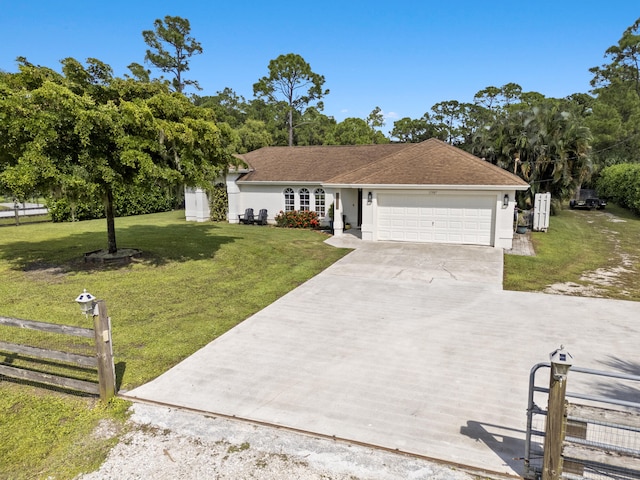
[319, 202]
[304, 199]
[289, 200]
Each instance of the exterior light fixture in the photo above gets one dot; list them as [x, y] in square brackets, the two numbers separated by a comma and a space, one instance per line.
[369, 198]
[87, 302]
[561, 362]
[505, 201]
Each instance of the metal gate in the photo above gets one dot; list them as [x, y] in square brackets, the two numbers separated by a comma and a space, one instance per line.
[602, 432]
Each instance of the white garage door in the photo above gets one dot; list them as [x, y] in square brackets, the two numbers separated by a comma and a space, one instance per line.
[436, 218]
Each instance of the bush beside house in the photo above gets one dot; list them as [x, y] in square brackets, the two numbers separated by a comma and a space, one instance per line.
[621, 183]
[297, 219]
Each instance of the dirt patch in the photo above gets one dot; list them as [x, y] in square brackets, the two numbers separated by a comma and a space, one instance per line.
[121, 256]
[612, 218]
[571, 288]
[106, 429]
[45, 272]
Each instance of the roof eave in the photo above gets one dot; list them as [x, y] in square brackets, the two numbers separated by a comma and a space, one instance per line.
[427, 186]
[278, 182]
[240, 170]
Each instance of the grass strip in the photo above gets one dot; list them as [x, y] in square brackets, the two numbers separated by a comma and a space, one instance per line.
[579, 242]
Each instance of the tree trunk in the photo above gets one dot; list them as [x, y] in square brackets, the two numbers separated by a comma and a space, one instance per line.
[291, 127]
[111, 227]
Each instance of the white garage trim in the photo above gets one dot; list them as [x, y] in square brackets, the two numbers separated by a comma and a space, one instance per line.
[436, 217]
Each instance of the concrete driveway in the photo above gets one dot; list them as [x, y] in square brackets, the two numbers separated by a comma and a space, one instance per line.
[403, 346]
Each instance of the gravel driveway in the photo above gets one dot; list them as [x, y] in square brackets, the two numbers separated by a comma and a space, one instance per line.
[172, 444]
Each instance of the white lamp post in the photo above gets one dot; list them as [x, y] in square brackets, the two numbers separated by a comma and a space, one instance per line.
[87, 303]
[561, 362]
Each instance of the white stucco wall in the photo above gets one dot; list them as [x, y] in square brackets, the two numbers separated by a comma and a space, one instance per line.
[196, 205]
[234, 197]
[504, 220]
[271, 197]
[369, 211]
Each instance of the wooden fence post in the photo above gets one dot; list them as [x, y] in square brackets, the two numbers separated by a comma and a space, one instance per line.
[104, 350]
[556, 415]
[16, 206]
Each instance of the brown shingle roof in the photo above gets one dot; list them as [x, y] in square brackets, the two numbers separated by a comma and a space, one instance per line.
[312, 164]
[431, 162]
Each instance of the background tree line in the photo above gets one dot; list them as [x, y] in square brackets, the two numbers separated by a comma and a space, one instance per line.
[555, 144]
[84, 133]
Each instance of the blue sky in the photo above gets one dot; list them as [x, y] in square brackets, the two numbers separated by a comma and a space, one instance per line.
[401, 56]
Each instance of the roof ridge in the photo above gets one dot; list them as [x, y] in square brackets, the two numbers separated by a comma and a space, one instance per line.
[363, 145]
[405, 146]
[502, 171]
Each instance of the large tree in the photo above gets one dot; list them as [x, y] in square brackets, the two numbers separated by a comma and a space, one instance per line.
[615, 113]
[376, 118]
[170, 50]
[228, 106]
[355, 131]
[314, 128]
[547, 146]
[409, 130]
[624, 61]
[94, 132]
[274, 116]
[253, 134]
[291, 80]
[450, 118]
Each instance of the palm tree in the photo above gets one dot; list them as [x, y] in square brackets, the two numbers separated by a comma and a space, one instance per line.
[545, 145]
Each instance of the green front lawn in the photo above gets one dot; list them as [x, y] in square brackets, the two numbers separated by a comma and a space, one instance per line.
[51, 436]
[194, 282]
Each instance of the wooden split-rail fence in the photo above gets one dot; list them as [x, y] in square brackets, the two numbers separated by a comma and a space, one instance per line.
[102, 360]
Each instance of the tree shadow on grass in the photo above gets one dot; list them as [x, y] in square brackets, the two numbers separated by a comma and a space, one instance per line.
[159, 245]
[50, 388]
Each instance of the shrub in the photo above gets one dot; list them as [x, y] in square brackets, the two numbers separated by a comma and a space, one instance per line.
[128, 200]
[218, 202]
[64, 210]
[621, 183]
[297, 219]
[142, 199]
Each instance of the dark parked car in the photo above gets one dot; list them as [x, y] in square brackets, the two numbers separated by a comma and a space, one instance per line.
[588, 204]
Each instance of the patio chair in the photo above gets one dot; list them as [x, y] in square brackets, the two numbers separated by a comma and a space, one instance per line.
[262, 217]
[248, 217]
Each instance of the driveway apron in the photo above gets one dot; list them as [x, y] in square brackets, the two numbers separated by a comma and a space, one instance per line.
[404, 346]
